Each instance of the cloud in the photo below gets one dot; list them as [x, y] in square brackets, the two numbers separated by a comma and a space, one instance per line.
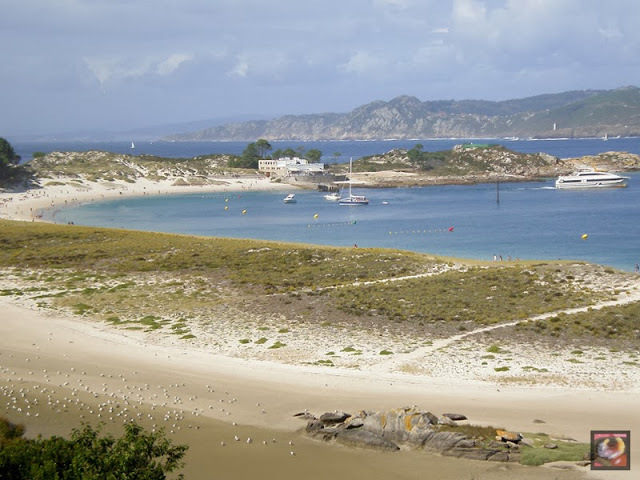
[305, 56]
[469, 12]
[399, 4]
[363, 63]
[172, 63]
[240, 69]
[111, 69]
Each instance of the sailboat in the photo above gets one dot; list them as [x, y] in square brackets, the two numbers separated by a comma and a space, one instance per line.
[351, 199]
[133, 145]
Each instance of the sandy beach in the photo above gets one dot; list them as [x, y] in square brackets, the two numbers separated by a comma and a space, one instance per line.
[57, 370]
[29, 205]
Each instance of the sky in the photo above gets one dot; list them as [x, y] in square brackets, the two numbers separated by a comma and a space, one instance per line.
[113, 65]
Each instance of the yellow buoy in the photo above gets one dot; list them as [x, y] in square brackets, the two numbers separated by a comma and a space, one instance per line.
[584, 237]
[244, 211]
[315, 216]
[226, 208]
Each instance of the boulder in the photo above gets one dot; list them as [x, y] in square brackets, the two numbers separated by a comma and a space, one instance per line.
[363, 438]
[454, 416]
[333, 417]
[447, 421]
[314, 425]
[443, 441]
[508, 436]
[355, 422]
[527, 441]
[498, 457]
[404, 425]
[304, 416]
[432, 418]
[470, 453]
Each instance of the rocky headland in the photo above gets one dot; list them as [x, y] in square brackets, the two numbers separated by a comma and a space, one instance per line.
[574, 114]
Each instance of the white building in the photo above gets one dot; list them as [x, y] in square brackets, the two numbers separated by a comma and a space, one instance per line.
[283, 167]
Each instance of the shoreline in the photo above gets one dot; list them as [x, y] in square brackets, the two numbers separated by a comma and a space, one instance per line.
[31, 204]
[36, 342]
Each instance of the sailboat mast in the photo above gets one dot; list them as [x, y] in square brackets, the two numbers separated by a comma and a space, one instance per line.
[350, 174]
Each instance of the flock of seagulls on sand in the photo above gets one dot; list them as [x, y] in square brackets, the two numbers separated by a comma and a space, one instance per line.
[32, 391]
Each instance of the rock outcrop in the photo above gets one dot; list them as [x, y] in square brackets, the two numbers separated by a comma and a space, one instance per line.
[411, 428]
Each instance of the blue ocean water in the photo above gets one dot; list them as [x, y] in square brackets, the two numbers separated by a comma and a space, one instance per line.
[530, 221]
[345, 149]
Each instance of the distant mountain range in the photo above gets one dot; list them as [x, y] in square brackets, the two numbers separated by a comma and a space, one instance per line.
[574, 114]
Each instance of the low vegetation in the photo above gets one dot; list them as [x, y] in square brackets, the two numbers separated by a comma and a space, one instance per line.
[463, 160]
[175, 285]
[106, 166]
[537, 448]
[620, 324]
[479, 295]
[88, 454]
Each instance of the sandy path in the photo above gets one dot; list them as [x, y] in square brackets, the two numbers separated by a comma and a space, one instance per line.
[629, 297]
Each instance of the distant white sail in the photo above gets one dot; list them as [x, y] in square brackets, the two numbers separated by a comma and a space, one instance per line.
[132, 145]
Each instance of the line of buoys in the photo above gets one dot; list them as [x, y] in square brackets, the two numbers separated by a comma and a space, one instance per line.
[337, 224]
[419, 231]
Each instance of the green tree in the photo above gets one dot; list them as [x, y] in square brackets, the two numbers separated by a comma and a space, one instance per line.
[89, 456]
[290, 152]
[415, 154]
[8, 159]
[249, 159]
[314, 155]
[263, 147]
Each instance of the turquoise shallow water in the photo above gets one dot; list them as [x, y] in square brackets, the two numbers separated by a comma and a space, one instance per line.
[531, 221]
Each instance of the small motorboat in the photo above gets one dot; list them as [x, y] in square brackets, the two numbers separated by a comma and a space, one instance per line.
[333, 197]
[291, 198]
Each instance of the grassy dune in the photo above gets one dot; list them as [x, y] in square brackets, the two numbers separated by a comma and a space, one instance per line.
[155, 281]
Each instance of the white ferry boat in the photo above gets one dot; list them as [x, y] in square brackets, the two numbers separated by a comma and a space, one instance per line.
[591, 178]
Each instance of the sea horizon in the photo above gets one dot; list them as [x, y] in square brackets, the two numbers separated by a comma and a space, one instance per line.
[562, 148]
